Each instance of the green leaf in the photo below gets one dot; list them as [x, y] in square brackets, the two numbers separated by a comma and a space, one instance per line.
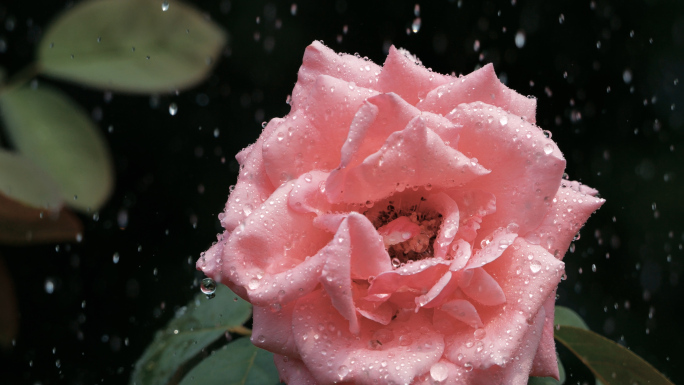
[549, 380]
[195, 327]
[45, 126]
[611, 363]
[131, 46]
[567, 317]
[238, 363]
[22, 181]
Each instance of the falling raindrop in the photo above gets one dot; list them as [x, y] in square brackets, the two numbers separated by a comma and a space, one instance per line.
[165, 6]
[49, 286]
[520, 39]
[208, 287]
[415, 26]
[173, 109]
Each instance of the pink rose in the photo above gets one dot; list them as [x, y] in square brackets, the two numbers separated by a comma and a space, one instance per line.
[399, 226]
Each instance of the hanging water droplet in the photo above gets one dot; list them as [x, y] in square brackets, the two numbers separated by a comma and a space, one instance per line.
[173, 109]
[165, 6]
[208, 287]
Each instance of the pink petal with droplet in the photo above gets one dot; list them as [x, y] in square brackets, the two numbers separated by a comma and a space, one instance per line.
[253, 185]
[415, 156]
[444, 205]
[272, 329]
[325, 352]
[484, 289]
[463, 311]
[311, 136]
[526, 288]
[481, 85]
[524, 177]
[570, 209]
[545, 362]
[398, 231]
[499, 241]
[321, 60]
[293, 371]
[411, 81]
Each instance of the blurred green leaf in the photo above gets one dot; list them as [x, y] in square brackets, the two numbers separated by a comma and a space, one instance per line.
[195, 327]
[45, 126]
[549, 380]
[131, 46]
[611, 363]
[238, 363]
[21, 180]
[568, 317]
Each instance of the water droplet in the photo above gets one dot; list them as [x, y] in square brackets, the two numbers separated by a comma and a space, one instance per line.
[396, 262]
[261, 339]
[293, 9]
[173, 109]
[439, 372]
[49, 286]
[115, 258]
[627, 76]
[468, 367]
[503, 120]
[342, 371]
[476, 45]
[535, 266]
[415, 26]
[520, 39]
[479, 334]
[208, 287]
[548, 149]
[165, 6]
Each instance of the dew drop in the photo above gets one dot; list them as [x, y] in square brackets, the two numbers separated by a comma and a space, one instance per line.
[342, 371]
[535, 266]
[439, 372]
[548, 149]
[208, 287]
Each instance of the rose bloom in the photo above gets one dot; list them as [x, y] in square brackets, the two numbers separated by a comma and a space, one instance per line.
[399, 226]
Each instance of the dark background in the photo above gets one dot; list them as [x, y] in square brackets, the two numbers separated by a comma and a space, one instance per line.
[604, 73]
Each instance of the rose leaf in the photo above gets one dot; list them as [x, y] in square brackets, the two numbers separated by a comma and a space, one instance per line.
[138, 46]
[196, 326]
[238, 363]
[54, 133]
[567, 317]
[611, 363]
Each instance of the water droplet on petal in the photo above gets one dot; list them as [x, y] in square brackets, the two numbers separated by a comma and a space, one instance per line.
[535, 266]
[208, 287]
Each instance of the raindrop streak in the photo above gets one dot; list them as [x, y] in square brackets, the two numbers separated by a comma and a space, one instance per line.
[173, 109]
[165, 6]
[49, 286]
[208, 287]
[415, 27]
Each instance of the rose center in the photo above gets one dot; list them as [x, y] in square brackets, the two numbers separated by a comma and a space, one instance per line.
[408, 234]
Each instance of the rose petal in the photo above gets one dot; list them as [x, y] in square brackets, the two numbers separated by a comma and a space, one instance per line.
[526, 166]
[272, 329]
[459, 253]
[493, 246]
[253, 186]
[311, 136]
[545, 363]
[408, 79]
[481, 85]
[293, 371]
[403, 285]
[481, 287]
[306, 195]
[321, 60]
[526, 288]
[442, 289]
[271, 252]
[463, 311]
[569, 210]
[415, 156]
[408, 346]
[443, 204]
[473, 205]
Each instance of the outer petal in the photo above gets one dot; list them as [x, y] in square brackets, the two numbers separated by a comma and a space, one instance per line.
[526, 166]
[273, 259]
[481, 85]
[569, 210]
[253, 186]
[415, 156]
[463, 311]
[545, 362]
[310, 138]
[321, 60]
[407, 78]
[293, 371]
[272, 329]
[398, 352]
[526, 284]
[443, 204]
